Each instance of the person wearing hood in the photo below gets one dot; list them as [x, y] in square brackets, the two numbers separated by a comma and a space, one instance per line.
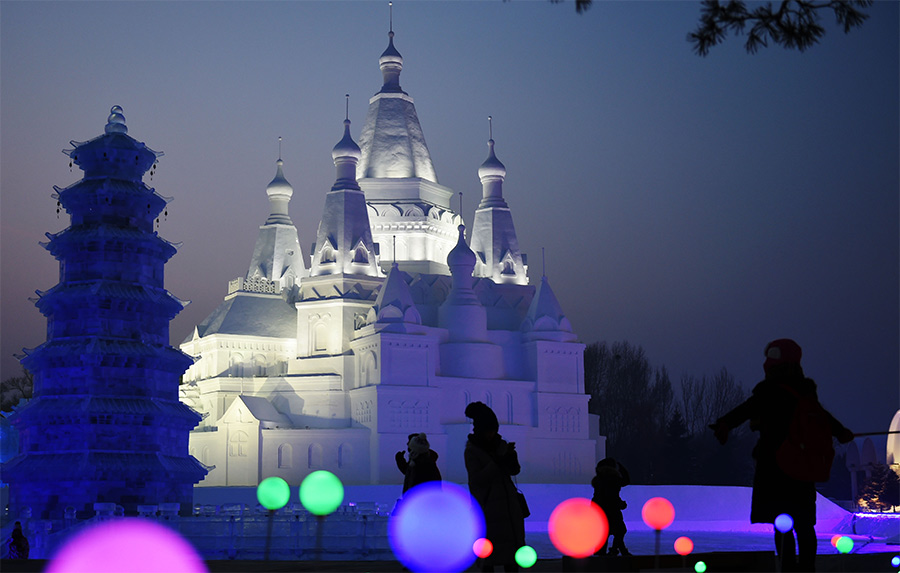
[491, 462]
[774, 410]
[422, 464]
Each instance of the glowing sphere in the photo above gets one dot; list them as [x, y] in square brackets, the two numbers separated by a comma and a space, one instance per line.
[658, 513]
[844, 544]
[321, 492]
[895, 561]
[784, 523]
[482, 547]
[684, 545]
[700, 567]
[435, 528]
[578, 527]
[834, 539]
[273, 493]
[130, 544]
[526, 556]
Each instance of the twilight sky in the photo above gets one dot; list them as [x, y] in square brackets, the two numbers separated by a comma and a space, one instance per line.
[696, 206]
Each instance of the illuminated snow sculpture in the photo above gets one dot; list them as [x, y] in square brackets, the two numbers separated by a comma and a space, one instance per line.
[105, 423]
[393, 330]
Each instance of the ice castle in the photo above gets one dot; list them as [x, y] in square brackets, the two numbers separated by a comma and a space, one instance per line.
[391, 325]
[105, 423]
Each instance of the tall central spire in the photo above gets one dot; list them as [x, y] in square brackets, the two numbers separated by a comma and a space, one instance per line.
[392, 142]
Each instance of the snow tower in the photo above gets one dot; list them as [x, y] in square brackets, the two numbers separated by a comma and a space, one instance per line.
[105, 423]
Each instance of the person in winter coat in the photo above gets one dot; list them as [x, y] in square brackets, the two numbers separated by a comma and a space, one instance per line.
[422, 464]
[610, 478]
[770, 410]
[490, 463]
[18, 543]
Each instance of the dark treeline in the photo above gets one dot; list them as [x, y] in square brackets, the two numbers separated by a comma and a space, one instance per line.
[659, 432]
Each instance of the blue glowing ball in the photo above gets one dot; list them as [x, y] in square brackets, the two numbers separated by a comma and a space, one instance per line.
[784, 523]
[435, 527]
[895, 561]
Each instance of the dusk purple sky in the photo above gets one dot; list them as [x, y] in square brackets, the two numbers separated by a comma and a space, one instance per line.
[696, 206]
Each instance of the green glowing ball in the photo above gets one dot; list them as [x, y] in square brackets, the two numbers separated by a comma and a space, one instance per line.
[273, 493]
[526, 556]
[700, 567]
[844, 544]
[321, 492]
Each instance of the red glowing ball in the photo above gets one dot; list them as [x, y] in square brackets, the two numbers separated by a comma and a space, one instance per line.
[578, 527]
[658, 513]
[683, 545]
[483, 547]
[834, 539]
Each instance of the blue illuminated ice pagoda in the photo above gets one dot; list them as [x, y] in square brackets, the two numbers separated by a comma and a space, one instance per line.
[105, 423]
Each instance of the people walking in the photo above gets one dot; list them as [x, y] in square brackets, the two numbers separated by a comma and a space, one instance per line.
[491, 462]
[17, 543]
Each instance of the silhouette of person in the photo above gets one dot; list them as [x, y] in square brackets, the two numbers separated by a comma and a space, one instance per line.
[18, 543]
[422, 464]
[490, 463]
[610, 478]
[770, 409]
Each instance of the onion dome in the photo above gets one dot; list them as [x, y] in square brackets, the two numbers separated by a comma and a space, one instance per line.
[279, 186]
[492, 167]
[346, 147]
[461, 256]
[391, 63]
[115, 123]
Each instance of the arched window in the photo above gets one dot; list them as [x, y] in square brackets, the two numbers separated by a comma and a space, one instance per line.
[238, 445]
[314, 456]
[259, 365]
[320, 337]
[237, 366]
[285, 456]
[345, 455]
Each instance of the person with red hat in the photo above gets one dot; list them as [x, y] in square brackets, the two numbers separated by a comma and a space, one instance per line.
[785, 410]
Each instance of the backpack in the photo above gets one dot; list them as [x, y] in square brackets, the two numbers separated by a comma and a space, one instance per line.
[808, 450]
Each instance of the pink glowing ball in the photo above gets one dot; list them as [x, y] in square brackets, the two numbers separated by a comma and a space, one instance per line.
[658, 513]
[131, 544]
[483, 547]
[578, 527]
[684, 545]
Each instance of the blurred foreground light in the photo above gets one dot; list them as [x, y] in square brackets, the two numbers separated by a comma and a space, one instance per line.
[130, 544]
[435, 528]
[700, 567]
[844, 544]
[578, 527]
[784, 523]
[321, 492]
[684, 545]
[895, 561]
[526, 556]
[482, 547]
[658, 513]
[273, 493]
[834, 539]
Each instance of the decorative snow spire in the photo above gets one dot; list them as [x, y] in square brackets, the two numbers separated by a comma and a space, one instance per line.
[115, 123]
[492, 173]
[545, 319]
[391, 62]
[394, 303]
[346, 156]
[344, 242]
[279, 192]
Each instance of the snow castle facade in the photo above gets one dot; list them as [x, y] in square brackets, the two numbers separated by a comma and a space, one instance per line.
[393, 327]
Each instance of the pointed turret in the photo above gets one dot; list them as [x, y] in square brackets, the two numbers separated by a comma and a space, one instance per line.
[394, 304]
[277, 261]
[392, 142]
[545, 319]
[344, 242]
[494, 235]
[462, 313]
